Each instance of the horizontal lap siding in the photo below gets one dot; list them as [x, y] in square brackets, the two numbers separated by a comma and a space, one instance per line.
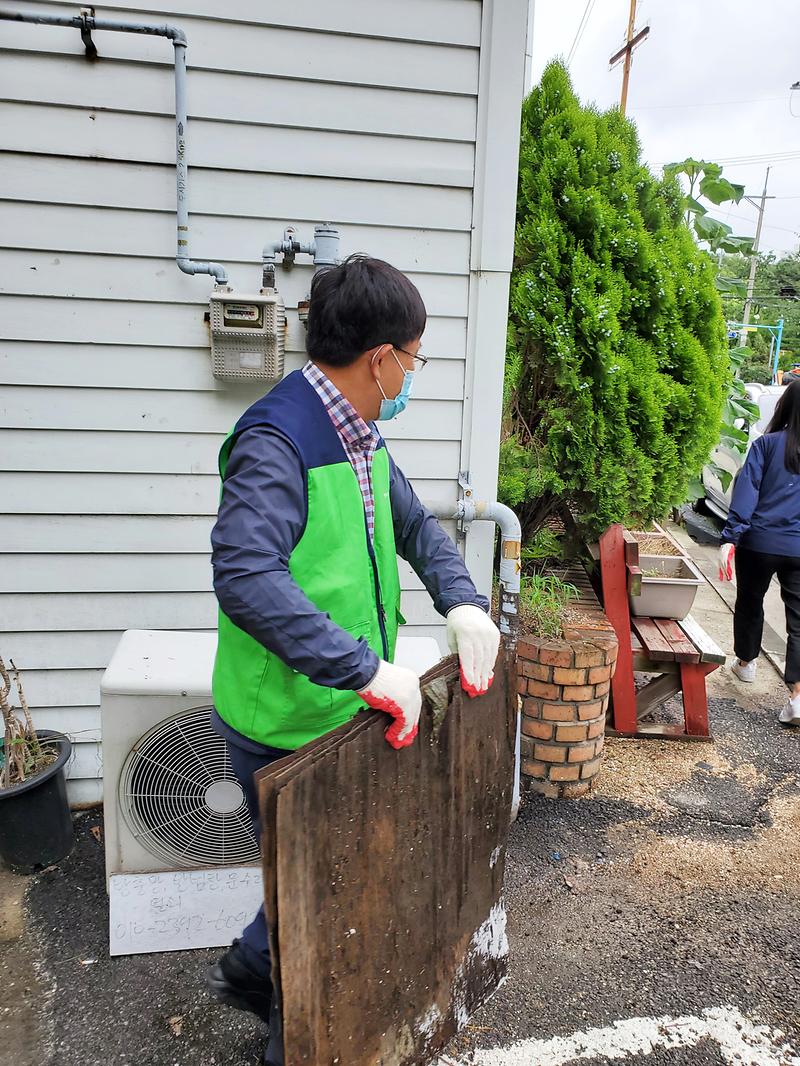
[359, 113]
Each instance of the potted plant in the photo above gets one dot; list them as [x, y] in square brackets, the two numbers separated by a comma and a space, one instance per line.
[35, 822]
[669, 587]
[565, 659]
[657, 542]
[670, 579]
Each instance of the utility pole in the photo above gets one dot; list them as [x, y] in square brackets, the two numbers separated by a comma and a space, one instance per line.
[751, 281]
[626, 52]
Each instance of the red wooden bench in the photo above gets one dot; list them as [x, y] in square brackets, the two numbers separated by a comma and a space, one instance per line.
[679, 655]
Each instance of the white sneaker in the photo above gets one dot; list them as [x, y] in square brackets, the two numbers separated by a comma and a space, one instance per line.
[790, 715]
[745, 671]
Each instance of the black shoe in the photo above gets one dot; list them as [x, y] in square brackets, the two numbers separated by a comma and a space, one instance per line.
[232, 981]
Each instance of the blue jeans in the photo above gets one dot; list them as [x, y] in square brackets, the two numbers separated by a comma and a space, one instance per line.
[254, 941]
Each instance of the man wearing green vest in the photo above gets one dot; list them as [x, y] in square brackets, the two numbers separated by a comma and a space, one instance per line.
[313, 515]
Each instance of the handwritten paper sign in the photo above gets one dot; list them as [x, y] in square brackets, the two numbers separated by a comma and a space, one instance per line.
[181, 909]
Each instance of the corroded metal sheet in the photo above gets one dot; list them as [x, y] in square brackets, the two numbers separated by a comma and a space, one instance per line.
[383, 878]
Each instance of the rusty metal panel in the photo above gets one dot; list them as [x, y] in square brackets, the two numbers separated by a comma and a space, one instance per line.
[383, 875]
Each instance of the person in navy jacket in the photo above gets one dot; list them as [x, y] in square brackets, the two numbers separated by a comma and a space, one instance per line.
[762, 538]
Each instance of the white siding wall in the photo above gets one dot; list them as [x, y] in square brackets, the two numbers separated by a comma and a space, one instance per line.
[365, 113]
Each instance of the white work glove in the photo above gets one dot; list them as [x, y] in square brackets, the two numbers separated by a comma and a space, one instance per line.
[472, 633]
[726, 553]
[396, 690]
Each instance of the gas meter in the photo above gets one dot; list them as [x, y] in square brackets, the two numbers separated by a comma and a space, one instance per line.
[248, 335]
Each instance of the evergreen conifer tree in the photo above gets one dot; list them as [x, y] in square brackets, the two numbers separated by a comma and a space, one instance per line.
[617, 362]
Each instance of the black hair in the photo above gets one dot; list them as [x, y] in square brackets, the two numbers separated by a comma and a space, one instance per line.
[358, 305]
[787, 417]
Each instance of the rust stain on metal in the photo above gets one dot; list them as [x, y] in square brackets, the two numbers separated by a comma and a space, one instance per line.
[383, 873]
[511, 549]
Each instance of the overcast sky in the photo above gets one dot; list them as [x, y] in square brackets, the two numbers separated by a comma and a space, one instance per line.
[711, 81]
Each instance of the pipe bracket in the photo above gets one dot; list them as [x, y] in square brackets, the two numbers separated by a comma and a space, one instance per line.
[87, 24]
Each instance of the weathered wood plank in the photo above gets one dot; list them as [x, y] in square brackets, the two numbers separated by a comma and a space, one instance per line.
[710, 651]
[643, 665]
[656, 646]
[394, 930]
[684, 649]
[695, 698]
[634, 580]
[631, 548]
[615, 601]
[656, 692]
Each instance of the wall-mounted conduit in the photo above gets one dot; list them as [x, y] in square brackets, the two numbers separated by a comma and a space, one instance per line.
[85, 23]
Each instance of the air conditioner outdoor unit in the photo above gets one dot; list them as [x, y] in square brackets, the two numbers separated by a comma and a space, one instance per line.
[170, 797]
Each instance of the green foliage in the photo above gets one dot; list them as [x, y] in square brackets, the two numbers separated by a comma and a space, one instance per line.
[777, 295]
[738, 411]
[616, 362]
[707, 181]
[755, 370]
[544, 544]
[543, 604]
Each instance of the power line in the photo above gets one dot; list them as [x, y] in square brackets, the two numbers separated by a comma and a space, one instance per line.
[763, 157]
[767, 225]
[587, 12]
[717, 103]
[754, 160]
[751, 281]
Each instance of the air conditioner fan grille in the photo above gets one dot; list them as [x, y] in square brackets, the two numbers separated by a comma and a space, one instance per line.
[180, 798]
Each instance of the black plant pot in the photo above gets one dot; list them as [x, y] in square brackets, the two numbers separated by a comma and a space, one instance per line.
[35, 822]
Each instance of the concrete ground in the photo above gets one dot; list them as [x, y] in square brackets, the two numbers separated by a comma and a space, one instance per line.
[671, 897]
[672, 893]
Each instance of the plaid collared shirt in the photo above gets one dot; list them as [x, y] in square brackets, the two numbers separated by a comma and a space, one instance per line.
[358, 438]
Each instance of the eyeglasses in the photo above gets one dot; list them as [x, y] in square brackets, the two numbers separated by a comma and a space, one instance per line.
[421, 359]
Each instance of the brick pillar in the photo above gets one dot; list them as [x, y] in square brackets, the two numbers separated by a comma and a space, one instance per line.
[564, 686]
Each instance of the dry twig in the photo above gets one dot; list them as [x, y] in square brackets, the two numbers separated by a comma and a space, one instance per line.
[22, 751]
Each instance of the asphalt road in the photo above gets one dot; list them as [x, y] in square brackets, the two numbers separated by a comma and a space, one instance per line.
[675, 889]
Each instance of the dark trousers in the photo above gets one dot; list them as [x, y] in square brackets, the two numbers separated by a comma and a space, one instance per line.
[754, 571]
[255, 940]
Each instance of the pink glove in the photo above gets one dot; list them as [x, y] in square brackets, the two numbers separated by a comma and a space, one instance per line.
[726, 553]
[396, 690]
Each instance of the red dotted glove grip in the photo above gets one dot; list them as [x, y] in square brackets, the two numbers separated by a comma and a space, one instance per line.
[383, 703]
[471, 690]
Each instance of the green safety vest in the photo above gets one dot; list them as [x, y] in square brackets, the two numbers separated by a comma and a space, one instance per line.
[356, 584]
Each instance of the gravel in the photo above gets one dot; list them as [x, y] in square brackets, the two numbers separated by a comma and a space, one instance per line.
[674, 888]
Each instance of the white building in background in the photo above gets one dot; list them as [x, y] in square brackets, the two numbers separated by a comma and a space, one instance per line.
[398, 122]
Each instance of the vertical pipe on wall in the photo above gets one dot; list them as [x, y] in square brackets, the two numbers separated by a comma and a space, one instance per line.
[86, 24]
[510, 582]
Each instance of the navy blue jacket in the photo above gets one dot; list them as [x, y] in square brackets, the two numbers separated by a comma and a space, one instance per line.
[261, 518]
[764, 515]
